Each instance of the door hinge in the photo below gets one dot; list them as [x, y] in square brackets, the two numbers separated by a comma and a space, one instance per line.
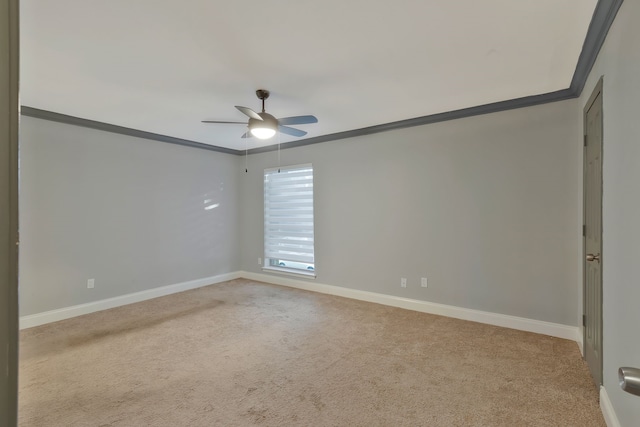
[584, 231]
[584, 320]
[585, 140]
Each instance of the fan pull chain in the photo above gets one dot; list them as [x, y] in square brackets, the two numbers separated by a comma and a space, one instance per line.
[246, 154]
[278, 152]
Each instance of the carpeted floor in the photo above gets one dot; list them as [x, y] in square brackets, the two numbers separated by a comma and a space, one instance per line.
[247, 353]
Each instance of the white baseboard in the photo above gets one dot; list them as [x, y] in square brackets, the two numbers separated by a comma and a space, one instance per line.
[607, 409]
[513, 322]
[91, 307]
[530, 325]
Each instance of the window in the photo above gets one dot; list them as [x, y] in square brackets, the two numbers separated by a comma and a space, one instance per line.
[288, 220]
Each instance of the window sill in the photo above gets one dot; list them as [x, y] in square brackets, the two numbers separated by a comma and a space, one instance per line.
[290, 272]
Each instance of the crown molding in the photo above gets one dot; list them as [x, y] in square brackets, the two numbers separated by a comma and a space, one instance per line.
[603, 17]
[510, 104]
[107, 127]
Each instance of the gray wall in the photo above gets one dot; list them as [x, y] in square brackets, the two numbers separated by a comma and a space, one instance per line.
[128, 212]
[619, 62]
[487, 208]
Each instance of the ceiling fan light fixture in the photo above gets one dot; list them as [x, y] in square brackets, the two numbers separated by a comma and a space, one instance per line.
[265, 127]
[263, 132]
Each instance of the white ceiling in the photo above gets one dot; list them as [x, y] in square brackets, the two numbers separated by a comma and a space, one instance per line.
[162, 66]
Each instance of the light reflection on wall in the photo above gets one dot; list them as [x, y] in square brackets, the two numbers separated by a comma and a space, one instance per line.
[208, 204]
[208, 226]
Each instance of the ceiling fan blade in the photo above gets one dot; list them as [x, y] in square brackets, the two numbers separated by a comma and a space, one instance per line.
[297, 120]
[291, 131]
[221, 121]
[249, 112]
[247, 135]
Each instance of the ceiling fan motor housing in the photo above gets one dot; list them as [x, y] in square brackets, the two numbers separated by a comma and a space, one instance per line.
[268, 121]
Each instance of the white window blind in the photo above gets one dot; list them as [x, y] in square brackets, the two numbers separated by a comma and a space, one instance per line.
[288, 216]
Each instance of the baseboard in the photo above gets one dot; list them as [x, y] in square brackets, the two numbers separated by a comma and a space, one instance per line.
[513, 322]
[530, 325]
[91, 307]
[607, 409]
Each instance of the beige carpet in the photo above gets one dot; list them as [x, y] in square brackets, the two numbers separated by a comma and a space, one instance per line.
[246, 353]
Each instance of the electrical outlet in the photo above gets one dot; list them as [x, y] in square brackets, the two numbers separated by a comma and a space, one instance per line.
[403, 282]
[259, 261]
[91, 283]
[423, 282]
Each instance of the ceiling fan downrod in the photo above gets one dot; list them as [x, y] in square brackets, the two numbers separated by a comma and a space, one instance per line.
[262, 94]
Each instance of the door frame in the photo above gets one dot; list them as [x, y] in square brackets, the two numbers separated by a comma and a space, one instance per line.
[597, 91]
[9, 122]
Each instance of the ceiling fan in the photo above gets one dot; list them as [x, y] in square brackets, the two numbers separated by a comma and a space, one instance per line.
[263, 125]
